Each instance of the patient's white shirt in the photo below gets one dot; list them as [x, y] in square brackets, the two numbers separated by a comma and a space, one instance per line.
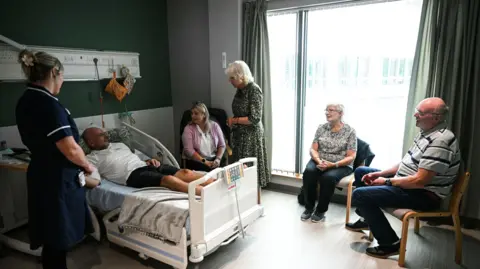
[116, 162]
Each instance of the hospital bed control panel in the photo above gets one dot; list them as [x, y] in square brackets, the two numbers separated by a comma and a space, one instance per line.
[233, 174]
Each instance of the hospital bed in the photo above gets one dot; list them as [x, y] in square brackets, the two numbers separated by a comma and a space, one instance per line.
[219, 216]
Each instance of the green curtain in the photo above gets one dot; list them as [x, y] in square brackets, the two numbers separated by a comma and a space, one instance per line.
[421, 69]
[447, 65]
[256, 53]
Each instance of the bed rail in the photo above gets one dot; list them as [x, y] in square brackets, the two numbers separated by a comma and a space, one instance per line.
[151, 146]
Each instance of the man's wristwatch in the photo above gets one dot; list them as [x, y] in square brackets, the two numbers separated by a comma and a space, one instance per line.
[388, 182]
[203, 160]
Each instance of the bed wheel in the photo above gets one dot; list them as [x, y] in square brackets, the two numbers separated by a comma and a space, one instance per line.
[195, 259]
[142, 256]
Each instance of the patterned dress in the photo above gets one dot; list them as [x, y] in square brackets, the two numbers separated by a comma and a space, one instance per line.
[249, 140]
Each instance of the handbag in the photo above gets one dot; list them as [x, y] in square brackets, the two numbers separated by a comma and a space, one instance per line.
[116, 89]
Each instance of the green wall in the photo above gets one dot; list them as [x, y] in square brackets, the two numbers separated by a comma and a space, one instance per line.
[102, 25]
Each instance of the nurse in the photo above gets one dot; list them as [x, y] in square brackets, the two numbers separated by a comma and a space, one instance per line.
[58, 212]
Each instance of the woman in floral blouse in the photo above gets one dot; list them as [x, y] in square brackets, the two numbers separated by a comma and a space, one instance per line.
[248, 135]
[333, 151]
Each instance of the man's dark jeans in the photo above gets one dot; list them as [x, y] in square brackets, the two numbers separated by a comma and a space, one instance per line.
[369, 201]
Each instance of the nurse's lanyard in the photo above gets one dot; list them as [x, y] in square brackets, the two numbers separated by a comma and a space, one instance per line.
[95, 60]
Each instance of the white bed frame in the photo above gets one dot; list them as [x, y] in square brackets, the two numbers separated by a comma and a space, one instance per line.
[214, 219]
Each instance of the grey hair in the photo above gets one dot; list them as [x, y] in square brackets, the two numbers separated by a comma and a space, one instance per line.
[442, 110]
[338, 107]
[203, 109]
[240, 71]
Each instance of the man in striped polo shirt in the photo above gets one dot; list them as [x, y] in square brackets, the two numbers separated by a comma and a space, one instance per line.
[420, 181]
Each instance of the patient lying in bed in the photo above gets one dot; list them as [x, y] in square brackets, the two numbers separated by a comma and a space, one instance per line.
[117, 163]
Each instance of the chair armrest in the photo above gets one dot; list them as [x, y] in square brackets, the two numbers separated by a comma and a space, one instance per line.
[345, 181]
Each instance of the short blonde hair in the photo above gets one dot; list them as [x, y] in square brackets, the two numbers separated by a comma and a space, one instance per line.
[240, 71]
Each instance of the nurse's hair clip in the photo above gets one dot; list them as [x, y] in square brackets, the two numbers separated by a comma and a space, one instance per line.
[27, 60]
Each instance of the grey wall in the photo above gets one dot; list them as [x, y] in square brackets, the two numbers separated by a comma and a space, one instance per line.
[189, 53]
[225, 36]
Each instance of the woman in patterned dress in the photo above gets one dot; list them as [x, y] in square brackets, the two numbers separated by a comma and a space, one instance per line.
[247, 129]
[333, 151]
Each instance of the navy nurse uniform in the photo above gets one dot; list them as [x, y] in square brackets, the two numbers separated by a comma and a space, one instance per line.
[58, 212]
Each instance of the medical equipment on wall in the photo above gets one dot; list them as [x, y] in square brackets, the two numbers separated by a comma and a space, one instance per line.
[78, 63]
[127, 115]
[95, 61]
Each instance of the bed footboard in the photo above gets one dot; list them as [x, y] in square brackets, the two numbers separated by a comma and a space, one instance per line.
[215, 217]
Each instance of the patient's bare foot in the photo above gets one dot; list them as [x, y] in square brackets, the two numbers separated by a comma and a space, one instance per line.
[209, 181]
[198, 190]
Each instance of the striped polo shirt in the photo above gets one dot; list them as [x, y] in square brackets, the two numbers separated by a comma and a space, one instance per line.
[435, 150]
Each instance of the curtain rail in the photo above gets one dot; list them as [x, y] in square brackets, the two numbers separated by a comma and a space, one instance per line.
[326, 5]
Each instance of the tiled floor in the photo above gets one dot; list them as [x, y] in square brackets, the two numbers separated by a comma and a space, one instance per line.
[281, 240]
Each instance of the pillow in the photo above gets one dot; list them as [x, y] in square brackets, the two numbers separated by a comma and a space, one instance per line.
[84, 146]
[115, 135]
[121, 135]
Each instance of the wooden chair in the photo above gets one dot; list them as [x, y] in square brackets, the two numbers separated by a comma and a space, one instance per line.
[406, 214]
[347, 182]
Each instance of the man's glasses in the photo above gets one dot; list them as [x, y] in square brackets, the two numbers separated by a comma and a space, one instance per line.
[421, 113]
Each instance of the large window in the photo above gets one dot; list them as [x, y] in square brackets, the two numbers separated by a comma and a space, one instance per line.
[358, 55]
[283, 68]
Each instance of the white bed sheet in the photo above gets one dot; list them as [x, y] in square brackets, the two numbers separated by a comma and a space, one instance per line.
[109, 196]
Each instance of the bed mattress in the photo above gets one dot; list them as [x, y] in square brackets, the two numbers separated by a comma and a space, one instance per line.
[109, 196]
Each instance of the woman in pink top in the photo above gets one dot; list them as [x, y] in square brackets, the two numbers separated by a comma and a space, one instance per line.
[203, 141]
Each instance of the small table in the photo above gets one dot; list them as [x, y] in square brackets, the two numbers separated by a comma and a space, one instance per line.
[9, 164]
